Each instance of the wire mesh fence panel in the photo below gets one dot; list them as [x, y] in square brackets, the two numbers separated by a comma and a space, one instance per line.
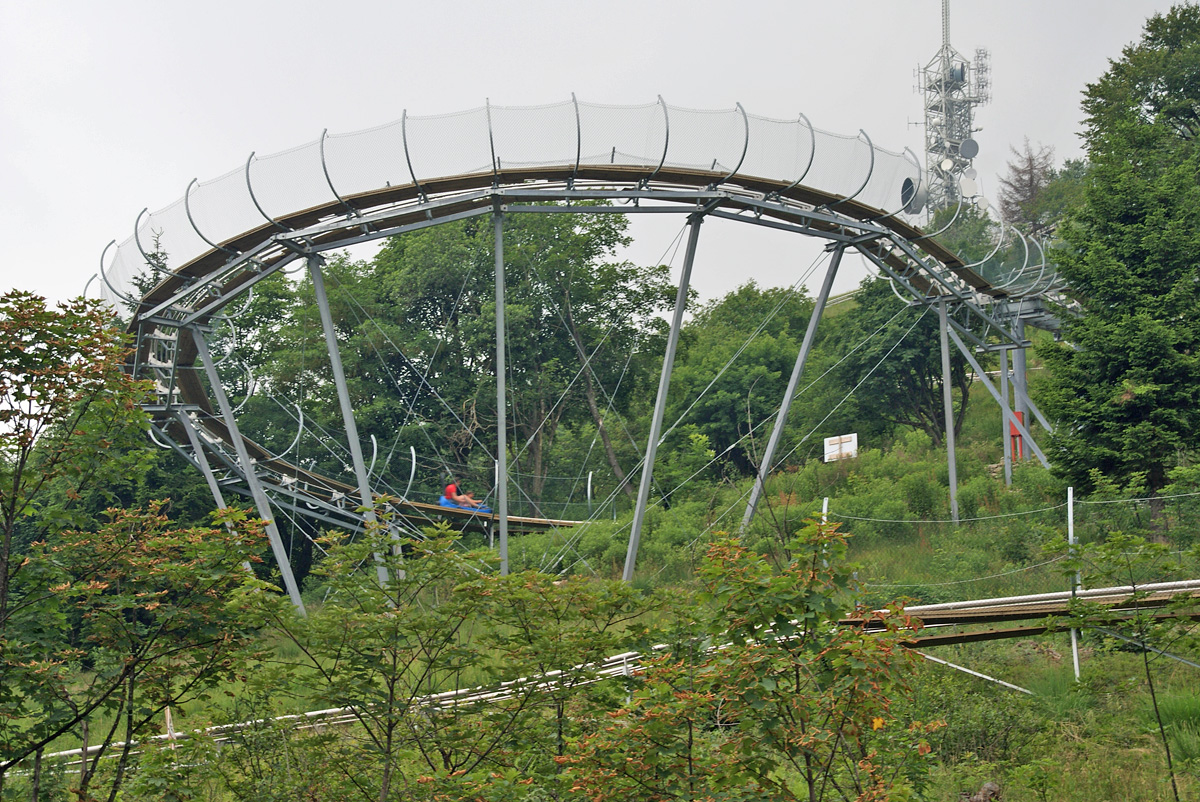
[565, 134]
[887, 178]
[365, 160]
[778, 149]
[706, 140]
[167, 234]
[633, 135]
[449, 144]
[841, 166]
[535, 136]
[222, 208]
[290, 181]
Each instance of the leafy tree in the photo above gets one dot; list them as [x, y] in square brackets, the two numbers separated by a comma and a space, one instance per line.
[403, 658]
[66, 404]
[110, 627]
[734, 366]
[898, 372]
[966, 231]
[777, 702]
[417, 328]
[1126, 392]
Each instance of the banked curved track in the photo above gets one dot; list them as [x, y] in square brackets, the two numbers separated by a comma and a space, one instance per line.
[225, 235]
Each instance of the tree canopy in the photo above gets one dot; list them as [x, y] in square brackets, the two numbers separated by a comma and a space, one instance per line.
[1126, 390]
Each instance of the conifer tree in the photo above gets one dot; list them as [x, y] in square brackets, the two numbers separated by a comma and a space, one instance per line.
[1126, 390]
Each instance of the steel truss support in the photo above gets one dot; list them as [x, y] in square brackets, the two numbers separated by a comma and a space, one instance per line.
[1019, 373]
[365, 495]
[1006, 435]
[201, 459]
[247, 467]
[1019, 392]
[948, 405]
[660, 401]
[501, 409]
[1011, 418]
[768, 458]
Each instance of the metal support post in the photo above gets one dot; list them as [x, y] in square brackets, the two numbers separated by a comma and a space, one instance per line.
[660, 401]
[1012, 419]
[205, 467]
[202, 459]
[261, 502]
[1006, 432]
[501, 408]
[1020, 384]
[366, 497]
[1075, 581]
[948, 403]
[768, 458]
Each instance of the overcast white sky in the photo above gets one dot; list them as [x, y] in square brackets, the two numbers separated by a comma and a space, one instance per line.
[110, 107]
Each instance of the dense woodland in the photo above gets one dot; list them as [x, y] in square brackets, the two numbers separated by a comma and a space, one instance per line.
[127, 610]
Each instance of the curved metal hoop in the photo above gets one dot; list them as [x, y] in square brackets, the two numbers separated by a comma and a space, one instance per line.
[296, 440]
[812, 153]
[187, 207]
[407, 157]
[492, 142]
[325, 169]
[155, 440]
[578, 142]
[666, 140]
[254, 199]
[745, 147]
[867, 180]
[104, 277]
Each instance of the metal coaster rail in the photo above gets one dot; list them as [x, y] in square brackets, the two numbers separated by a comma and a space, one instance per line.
[170, 320]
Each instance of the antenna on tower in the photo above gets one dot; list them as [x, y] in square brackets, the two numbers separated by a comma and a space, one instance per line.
[952, 86]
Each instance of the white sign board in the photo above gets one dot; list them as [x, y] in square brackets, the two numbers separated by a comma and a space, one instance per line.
[841, 447]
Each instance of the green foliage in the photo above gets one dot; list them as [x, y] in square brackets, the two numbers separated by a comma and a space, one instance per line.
[64, 403]
[1125, 392]
[403, 657]
[898, 372]
[744, 346]
[788, 706]
[108, 628]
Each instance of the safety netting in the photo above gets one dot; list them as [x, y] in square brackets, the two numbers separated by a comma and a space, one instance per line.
[339, 174]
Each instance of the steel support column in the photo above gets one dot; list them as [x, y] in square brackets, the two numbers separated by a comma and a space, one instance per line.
[660, 401]
[205, 467]
[764, 468]
[1019, 375]
[366, 497]
[1006, 434]
[948, 404]
[261, 502]
[1008, 414]
[501, 408]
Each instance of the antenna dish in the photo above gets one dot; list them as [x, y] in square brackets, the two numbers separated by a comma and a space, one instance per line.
[969, 149]
[946, 164]
[971, 173]
[968, 187]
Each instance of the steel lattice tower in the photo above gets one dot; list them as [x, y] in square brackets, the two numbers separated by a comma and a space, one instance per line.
[952, 87]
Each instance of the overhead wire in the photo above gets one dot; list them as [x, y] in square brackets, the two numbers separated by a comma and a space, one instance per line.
[767, 419]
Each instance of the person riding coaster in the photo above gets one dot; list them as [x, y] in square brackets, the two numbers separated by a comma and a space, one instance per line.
[454, 496]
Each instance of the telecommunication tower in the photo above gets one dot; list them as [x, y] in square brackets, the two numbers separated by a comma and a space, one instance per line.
[952, 87]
